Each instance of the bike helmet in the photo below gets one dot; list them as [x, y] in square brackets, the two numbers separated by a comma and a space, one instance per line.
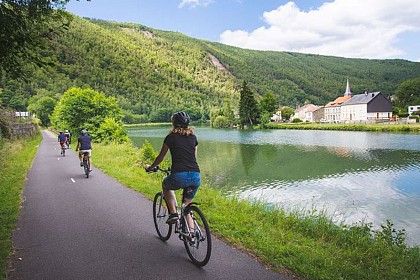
[181, 119]
[84, 132]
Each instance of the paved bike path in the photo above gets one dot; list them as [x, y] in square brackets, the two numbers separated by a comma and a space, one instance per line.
[71, 227]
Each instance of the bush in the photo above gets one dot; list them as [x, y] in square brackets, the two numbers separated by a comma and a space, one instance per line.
[221, 122]
[297, 120]
[111, 131]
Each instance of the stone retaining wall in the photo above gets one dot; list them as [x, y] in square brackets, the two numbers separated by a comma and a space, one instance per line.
[23, 129]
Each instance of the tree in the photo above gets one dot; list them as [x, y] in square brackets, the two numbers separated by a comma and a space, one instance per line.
[43, 108]
[248, 111]
[268, 103]
[408, 93]
[287, 112]
[42, 105]
[25, 27]
[88, 109]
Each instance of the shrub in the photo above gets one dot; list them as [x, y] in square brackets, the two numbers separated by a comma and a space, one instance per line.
[221, 122]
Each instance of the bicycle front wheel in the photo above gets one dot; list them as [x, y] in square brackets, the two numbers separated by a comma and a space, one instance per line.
[198, 245]
[160, 214]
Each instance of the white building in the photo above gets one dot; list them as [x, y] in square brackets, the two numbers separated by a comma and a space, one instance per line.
[369, 106]
[332, 111]
[412, 109]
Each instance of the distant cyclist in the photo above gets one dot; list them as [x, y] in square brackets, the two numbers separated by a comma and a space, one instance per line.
[62, 138]
[84, 145]
[185, 172]
[68, 135]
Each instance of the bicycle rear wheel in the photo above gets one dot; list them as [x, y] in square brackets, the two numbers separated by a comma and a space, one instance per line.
[199, 246]
[63, 151]
[160, 214]
[86, 167]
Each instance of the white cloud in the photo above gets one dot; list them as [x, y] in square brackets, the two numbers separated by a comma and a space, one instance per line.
[194, 3]
[355, 28]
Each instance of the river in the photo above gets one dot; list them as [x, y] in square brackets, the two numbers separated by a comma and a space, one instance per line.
[353, 177]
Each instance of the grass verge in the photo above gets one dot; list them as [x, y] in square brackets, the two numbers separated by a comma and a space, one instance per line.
[311, 247]
[414, 128]
[16, 159]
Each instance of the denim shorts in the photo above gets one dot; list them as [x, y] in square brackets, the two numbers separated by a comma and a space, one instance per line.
[189, 181]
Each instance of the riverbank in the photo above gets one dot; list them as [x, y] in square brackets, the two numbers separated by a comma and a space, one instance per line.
[411, 128]
[16, 159]
[310, 246]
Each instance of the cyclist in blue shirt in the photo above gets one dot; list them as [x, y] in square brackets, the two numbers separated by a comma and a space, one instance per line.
[84, 145]
[62, 138]
[185, 172]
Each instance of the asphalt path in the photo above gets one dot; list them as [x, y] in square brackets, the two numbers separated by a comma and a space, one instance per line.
[71, 227]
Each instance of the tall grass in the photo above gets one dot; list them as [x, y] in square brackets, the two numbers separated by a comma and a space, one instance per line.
[16, 159]
[307, 245]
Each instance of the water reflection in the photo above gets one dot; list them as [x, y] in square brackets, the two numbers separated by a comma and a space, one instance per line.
[353, 176]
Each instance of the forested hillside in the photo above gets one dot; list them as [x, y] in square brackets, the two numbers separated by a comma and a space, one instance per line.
[153, 73]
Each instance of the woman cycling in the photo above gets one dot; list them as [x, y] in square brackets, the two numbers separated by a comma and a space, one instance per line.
[185, 172]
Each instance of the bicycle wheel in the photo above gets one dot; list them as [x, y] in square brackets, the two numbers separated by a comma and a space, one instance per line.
[199, 246]
[160, 214]
[63, 151]
[86, 167]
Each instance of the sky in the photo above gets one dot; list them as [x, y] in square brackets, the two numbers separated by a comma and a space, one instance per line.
[373, 29]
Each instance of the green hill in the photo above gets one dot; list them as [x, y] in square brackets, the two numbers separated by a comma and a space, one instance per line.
[154, 72]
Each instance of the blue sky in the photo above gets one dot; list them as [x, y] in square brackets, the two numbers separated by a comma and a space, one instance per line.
[348, 28]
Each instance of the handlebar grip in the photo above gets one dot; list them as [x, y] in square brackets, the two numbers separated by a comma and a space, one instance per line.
[155, 169]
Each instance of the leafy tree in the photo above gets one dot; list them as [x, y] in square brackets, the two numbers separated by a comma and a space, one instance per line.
[110, 130]
[25, 27]
[268, 103]
[408, 93]
[287, 112]
[43, 108]
[221, 122]
[42, 105]
[88, 109]
[248, 111]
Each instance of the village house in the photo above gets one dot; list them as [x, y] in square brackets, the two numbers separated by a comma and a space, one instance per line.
[366, 107]
[301, 112]
[412, 109]
[276, 117]
[315, 115]
[332, 111]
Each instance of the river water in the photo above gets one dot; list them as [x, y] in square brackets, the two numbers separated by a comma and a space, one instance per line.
[353, 177]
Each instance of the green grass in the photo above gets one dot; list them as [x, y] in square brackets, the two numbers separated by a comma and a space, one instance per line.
[414, 128]
[309, 246]
[16, 159]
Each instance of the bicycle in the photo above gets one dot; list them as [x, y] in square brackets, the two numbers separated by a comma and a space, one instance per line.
[192, 227]
[63, 150]
[86, 164]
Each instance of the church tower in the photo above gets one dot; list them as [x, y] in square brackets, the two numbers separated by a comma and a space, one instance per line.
[348, 92]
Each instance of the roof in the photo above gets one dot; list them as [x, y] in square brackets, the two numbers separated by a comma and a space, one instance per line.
[363, 98]
[338, 101]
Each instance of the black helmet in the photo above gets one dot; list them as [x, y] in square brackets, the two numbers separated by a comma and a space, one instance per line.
[83, 132]
[180, 119]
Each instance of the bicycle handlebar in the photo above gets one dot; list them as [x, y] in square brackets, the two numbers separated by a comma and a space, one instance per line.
[158, 168]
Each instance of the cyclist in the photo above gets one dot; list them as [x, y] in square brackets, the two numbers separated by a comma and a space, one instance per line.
[84, 145]
[68, 142]
[185, 172]
[62, 138]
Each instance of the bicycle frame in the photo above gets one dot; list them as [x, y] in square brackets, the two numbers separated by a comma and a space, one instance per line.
[192, 227]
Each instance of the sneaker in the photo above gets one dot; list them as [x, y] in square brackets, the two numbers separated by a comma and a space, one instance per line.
[81, 164]
[172, 218]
